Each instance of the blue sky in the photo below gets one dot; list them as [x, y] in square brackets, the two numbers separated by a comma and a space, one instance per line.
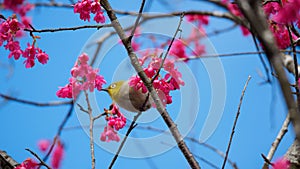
[23, 125]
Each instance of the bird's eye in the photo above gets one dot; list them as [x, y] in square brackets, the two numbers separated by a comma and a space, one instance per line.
[113, 85]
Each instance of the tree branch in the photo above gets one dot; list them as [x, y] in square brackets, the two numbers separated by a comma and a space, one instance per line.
[159, 106]
[131, 127]
[254, 14]
[36, 156]
[275, 144]
[91, 125]
[235, 122]
[33, 103]
[69, 28]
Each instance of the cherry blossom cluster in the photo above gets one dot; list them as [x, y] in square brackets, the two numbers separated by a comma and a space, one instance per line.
[86, 7]
[278, 16]
[21, 8]
[57, 154]
[200, 20]
[84, 77]
[163, 84]
[115, 121]
[10, 30]
[181, 48]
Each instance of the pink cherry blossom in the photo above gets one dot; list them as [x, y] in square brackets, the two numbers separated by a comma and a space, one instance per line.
[281, 164]
[234, 9]
[137, 84]
[86, 7]
[12, 4]
[28, 164]
[14, 48]
[29, 63]
[245, 31]
[30, 51]
[84, 77]
[169, 65]
[99, 17]
[116, 119]
[26, 21]
[24, 9]
[83, 59]
[76, 88]
[281, 35]
[99, 82]
[135, 45]
[42, 56]
[15, 53]
[178, 50]
[271, 8]
[66, 91]
[289, 12]
[57, 156]
[83, 8]
[109, 134]
[155, 63]
[95, 7]
[199, 49]
[14, 25]
[116, 122]
[203, 19]
[43, 145]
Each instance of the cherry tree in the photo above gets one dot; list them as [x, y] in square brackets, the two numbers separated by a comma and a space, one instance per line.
[71, 51]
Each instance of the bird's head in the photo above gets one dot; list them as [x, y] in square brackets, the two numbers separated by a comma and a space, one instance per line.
[113, 89]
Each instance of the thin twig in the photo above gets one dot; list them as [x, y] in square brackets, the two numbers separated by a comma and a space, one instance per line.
[223, 30]
[36, 156]
[275, 144]
[266, 161]
[268, 1]
[46, 104]
[262, 59]
[98, 116]
[295, 63]
[131, 127]
[137, 19]
[235, 122]
[228, 54]
[217, 14]
[68, 28]
[169, 47]
[91, 125]
[82, 109]
[53, 4]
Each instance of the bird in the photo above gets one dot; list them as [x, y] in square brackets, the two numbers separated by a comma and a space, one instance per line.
[128, 97]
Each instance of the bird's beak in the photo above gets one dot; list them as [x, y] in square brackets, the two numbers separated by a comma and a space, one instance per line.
[106, 90]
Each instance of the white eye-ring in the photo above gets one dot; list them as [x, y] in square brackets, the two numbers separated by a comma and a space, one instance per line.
[113, 86]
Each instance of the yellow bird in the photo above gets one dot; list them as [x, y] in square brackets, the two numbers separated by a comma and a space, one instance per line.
[127, 97]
